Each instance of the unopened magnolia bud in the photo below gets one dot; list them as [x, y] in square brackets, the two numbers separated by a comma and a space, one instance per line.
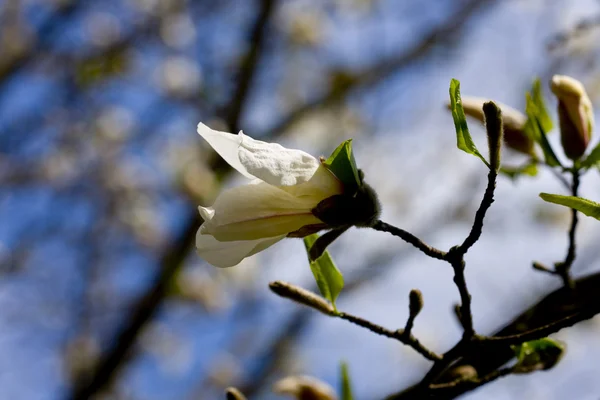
[575, 115]
[305, 388]
[232, 393]
[415, 302]
[302, 296]
[493, 126]
[513, 121]
[462, 372]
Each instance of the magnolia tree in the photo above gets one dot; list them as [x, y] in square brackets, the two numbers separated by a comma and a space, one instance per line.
[295, 195]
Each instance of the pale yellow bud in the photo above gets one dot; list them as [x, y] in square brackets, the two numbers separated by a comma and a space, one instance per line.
[575, 115]
[512, 120]
[305, 388]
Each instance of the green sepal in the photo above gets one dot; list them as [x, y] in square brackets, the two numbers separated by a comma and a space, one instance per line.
[585, 206]
[463, 138]
[346, 387]
[542, 111]
[342, 164]
[537, 121]
[328, 277]
[592, 159]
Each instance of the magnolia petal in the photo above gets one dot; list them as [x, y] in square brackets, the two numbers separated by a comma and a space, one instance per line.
[226, 145]
[228, 254]
[269, 162]
[321, 185]
[258, 210]
[276, 164]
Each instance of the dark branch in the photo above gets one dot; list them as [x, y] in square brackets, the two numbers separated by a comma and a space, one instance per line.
[563, 269]
[173, 257]
[486, 202]
[399, 335]
[410, 238]
[543, 331]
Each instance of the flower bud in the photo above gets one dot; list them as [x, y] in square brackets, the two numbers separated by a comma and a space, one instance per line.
[415, 303]
[304, 388]
[302, 296]
[512, 120]
[575, 115]
[232, 393]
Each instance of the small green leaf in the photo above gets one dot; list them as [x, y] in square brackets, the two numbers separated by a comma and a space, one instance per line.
[587, 207]
[593, 158]
[538, 354]
[529, 169]
[346, 389]
[535, 130]
[329, 279]
[463, 138]
[542, 111]
[342, 164]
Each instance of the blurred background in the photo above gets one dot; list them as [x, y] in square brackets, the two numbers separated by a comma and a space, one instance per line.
[101, 171]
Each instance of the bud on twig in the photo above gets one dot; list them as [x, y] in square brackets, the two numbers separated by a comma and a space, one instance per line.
[493, 126]
[575, 115]
[415, 304]
[302, 296]
[304, 388]
[232, 393]
[513, 121]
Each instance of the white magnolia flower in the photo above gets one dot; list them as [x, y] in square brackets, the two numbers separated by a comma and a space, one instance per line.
[286, 185]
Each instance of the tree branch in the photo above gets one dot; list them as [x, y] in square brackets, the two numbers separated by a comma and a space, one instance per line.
[174, 256]
[410, 238]
[399, 335]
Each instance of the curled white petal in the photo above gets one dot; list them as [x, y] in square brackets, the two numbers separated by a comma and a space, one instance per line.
[228, 254]
[270, 162]
[257, 211]
[275, 164]
[226, 145]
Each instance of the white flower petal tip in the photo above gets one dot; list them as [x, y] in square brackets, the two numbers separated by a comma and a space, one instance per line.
[226, 145]
[269, 162]
[230, 254]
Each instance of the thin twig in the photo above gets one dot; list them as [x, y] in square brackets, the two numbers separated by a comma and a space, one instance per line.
[542, 331]
[410, 238]
[399, 335]
[563, 181]
[466, 317]
[486, 202]
[473, 383]
[563, 269]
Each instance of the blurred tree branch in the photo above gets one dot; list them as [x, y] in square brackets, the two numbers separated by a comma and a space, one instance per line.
[10, 65]
[175, 254]
[441, 35]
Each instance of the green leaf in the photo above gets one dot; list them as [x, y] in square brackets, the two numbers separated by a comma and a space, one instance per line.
[593, 158]
[329, 279]
[342, 164]
[529, 169]
[542, 111]
[587, 207]
[535, 130]
[346, 389]
[463, 138]
[538, 354]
